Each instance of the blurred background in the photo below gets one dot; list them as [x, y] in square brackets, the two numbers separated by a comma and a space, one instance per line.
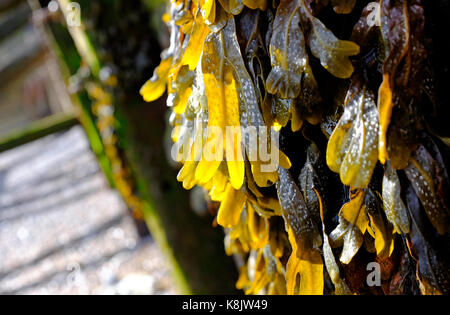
[89, 202]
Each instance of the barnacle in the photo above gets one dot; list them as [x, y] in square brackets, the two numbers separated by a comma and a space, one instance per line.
[325, 111]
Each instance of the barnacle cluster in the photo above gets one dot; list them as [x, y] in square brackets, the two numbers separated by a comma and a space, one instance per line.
[361, 175]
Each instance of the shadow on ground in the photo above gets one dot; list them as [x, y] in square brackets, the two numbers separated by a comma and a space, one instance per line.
[64, 231]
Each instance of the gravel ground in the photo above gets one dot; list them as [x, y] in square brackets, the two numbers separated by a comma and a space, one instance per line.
[64, 231]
